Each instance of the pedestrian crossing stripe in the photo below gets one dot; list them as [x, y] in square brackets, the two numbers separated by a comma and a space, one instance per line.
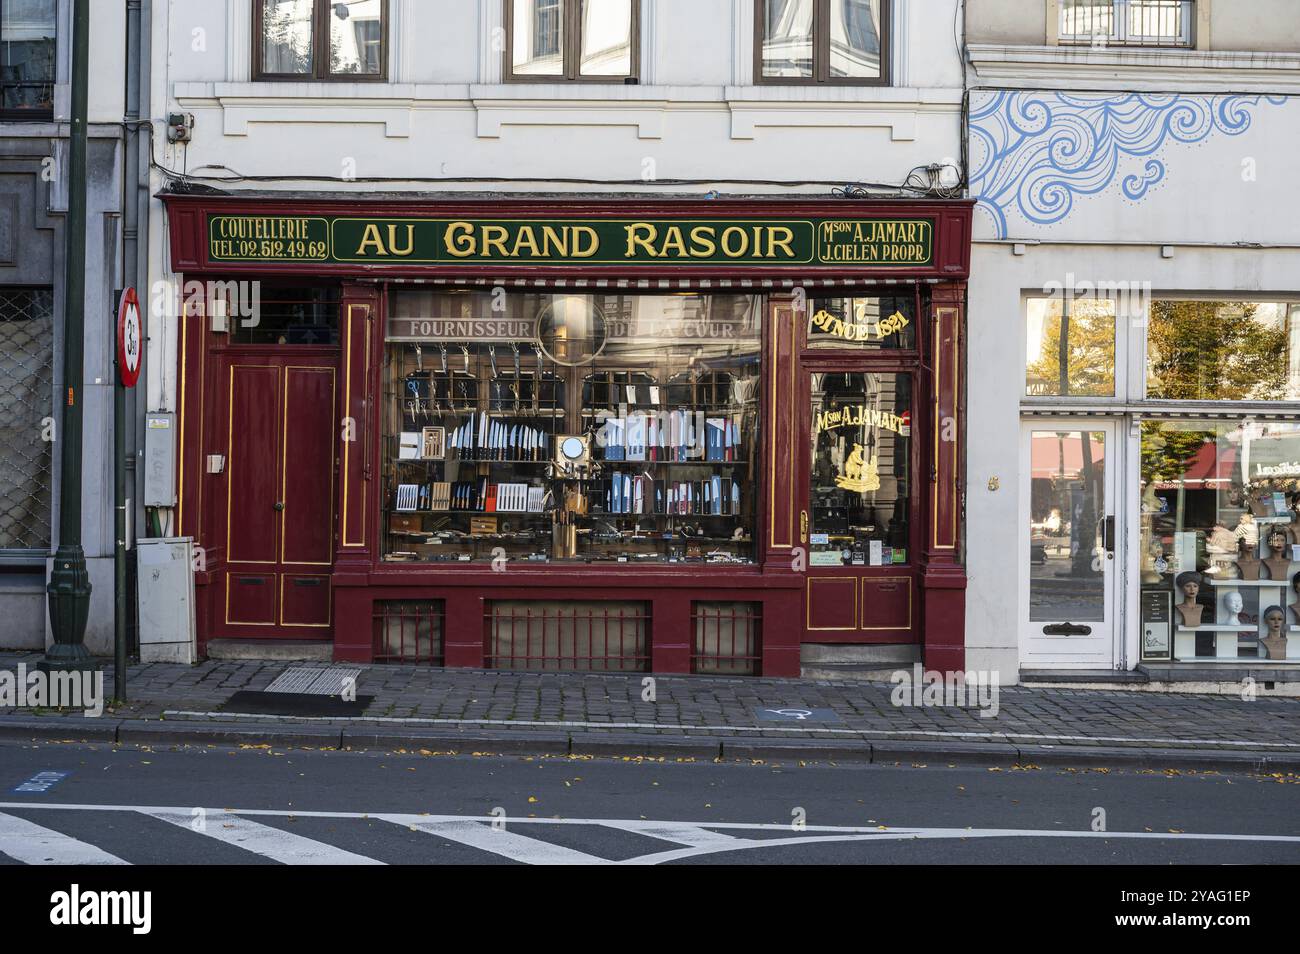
[28, 842]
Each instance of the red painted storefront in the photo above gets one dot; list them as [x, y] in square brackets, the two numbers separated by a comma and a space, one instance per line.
[296, 507]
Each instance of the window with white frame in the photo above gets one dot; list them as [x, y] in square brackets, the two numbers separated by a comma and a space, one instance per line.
[1128, 22]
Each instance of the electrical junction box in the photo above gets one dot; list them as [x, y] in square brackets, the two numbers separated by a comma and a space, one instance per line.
[160, 459]
[165, 567]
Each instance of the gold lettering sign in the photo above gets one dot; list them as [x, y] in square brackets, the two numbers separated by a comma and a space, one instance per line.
[830, 324]
[862, 416]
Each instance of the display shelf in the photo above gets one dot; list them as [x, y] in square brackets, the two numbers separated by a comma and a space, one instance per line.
[711, 411]
[1285, 584]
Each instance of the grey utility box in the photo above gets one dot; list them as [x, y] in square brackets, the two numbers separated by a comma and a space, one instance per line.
[166, 597]
[160, 459]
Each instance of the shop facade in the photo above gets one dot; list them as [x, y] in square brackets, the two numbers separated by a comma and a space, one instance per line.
[632, 434]
[1140, 496]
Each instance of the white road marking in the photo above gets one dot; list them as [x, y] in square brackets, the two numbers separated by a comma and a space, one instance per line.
[274, 843]
[476, 832]
[32, 844]
[521, 848]
[693, 836]
[866, 734]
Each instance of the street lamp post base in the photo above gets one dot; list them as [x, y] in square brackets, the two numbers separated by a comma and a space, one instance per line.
[69, 600]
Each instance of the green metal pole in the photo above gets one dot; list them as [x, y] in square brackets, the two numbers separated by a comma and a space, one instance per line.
[120, 508]
[69, 587]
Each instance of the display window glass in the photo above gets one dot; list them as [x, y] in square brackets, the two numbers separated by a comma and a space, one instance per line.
[570, 428]
[1220, 533]
[861, 475]
[1223, 350]
[1070, 347]
[879, 323]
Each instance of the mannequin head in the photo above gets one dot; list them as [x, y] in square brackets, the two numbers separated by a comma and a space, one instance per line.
[1277, 542]
[1295, 584]
[1275, 620]
[1233, 602]
[1189, 584]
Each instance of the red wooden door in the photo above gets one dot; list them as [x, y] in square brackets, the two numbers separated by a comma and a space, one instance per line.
[279, 506]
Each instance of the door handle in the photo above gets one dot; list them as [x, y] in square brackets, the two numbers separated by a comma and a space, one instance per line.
[1108, 536]
[803, 526]
[279, 506]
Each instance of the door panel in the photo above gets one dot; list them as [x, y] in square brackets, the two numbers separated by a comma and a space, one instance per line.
[1070, 535]
[308, 491]
[250, 598]
[304, 600]
[279, 495]
[252, 487]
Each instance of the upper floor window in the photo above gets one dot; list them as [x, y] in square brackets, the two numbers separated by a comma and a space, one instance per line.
[1127, 22]
[320, 40]
[27, 55]
[587, 41]
[822, 41]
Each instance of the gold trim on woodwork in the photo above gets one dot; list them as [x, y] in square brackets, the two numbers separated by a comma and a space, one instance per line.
[881, 579]
[938, 428]
[808, 605]
[346, 475]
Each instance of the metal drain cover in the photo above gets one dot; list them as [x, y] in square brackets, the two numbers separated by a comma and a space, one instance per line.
[307, 681]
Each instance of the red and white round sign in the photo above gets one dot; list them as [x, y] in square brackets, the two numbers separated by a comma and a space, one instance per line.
[130, 338]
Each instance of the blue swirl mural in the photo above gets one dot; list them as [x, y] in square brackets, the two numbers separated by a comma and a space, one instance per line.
[1035, 152]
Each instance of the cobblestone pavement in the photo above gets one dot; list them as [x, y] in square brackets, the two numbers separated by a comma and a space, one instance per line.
[717, 706]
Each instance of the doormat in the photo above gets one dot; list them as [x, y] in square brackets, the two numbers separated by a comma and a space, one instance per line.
[314, 680]
[261, 702]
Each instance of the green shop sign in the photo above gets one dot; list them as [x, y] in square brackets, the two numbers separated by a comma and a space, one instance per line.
[874, 242]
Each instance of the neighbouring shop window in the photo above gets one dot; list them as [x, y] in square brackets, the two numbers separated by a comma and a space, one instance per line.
[1223, 350]
[1128, 22]
[1066, 526]
[573, 428]
[263, 314]
[28, 43]
[822, 41]
[885, 323]
[861, 486]
[572, 40]
[320, 40]
[1220, 532]
[26, 404]
[1070, 347]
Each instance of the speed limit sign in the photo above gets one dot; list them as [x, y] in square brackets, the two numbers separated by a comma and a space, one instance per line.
[130, 338]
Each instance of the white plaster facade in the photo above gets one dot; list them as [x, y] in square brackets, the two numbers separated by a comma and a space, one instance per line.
[1203, 209]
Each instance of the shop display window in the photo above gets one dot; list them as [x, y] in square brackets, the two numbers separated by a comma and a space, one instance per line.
[570, 427]
[1220, 531]
[1070, 347]
[861, 473]
[1223, 351]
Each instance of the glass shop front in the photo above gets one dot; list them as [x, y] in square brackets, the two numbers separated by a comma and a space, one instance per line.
[576, 466]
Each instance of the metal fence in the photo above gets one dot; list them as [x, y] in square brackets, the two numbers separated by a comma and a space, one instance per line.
[727, 638]
[26, 415]
[409, 631]
[1167, 23]
[595, 636]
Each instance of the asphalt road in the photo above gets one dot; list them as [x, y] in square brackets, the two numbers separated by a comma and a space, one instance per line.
[218, 805]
